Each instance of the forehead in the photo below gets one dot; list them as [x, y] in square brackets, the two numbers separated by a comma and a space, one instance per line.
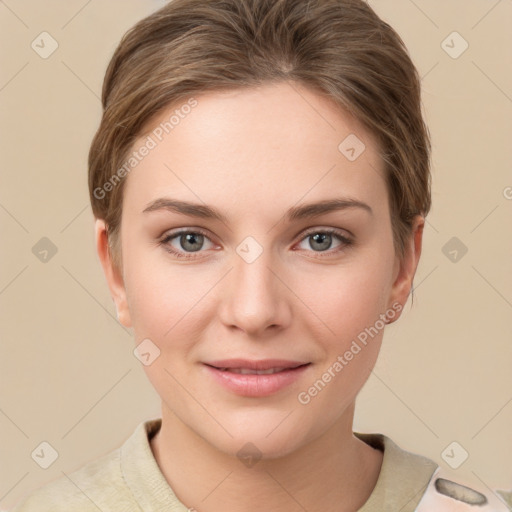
[277, 143]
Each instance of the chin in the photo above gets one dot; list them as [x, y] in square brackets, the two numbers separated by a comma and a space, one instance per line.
[250, 450]
[262, 435]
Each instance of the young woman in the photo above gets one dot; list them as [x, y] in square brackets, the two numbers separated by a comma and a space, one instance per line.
[260, 181]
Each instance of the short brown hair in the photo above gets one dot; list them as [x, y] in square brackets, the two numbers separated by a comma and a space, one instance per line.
[340, 48]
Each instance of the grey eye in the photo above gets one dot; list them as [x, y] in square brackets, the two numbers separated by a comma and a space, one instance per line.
[191, 242]
[320, 241]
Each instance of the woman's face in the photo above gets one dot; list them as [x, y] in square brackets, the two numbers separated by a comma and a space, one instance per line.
[271, 276]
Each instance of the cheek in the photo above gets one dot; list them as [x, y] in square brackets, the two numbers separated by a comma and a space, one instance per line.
[349, 297]
[349, 304]
[168, 302]
[165, 307]
[159, 299]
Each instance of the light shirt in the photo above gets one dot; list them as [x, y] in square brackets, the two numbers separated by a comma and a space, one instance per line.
[129, 479]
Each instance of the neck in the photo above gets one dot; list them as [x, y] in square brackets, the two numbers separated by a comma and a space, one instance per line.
[335, 472]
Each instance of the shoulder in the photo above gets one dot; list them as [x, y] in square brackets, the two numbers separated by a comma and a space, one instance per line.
[120, 480]
[410, 482]
[97, 485]
[448, 492]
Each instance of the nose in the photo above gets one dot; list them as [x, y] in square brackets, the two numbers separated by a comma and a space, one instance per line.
[255, 298]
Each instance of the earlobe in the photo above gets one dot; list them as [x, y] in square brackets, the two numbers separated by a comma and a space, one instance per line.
[112, 274]
[405, 268]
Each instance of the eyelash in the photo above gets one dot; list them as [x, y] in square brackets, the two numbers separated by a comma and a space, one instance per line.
[346, 242]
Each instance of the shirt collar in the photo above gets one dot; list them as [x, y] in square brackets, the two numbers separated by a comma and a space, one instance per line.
[402, 480]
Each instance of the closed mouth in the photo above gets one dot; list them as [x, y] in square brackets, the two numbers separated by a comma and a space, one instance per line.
[256, 378]
[254, 371]
[251, 371]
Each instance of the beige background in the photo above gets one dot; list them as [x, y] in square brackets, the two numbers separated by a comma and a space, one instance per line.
[67, 372]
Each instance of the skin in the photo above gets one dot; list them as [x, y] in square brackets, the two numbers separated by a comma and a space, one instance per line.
[252, 154]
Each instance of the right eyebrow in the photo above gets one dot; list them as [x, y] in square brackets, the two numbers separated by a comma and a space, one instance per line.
[185, 208]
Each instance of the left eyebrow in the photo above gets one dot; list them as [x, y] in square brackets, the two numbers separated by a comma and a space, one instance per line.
[329, 205]
[292, 214]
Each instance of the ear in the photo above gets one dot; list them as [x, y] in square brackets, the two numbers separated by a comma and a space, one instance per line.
[112, 274]
[405, 268]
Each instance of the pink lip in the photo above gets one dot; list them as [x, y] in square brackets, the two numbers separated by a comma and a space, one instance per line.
[256, 385]
[262, 364]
